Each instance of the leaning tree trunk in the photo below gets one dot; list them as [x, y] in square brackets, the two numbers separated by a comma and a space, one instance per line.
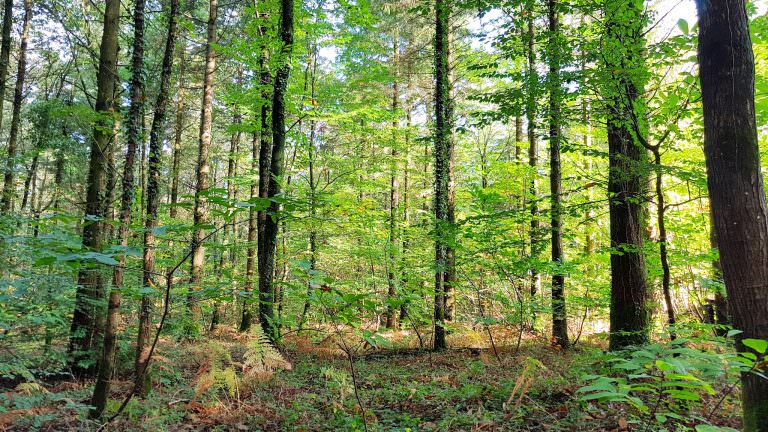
[734, 180]
[9, 186]
[268, 245]
[201, 200]
[627, 179]
[443, 135]
[559, 316]
[90, 280]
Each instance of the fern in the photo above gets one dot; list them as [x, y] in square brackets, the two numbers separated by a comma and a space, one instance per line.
[262, 357]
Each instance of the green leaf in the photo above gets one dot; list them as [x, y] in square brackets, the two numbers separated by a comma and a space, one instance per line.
[683, 26]
[758, 345]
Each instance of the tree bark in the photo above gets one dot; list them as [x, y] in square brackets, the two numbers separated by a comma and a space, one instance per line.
[203, 168]
[90, 280]
[734, 180]
[559, 314]
[533, 161]
[9, 185]
[627, 177]
[271, 224]
[178, 132]
[152, 200]
[443, 150]
[394, 201]
[5, 53]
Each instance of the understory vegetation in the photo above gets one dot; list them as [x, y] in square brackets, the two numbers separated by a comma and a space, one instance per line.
[384, 215]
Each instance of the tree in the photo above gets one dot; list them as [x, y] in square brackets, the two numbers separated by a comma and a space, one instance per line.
[623, 62]
[90, 279]
[443, 154]
[268, 246]
[9, 186]
[5, 52]
[559, 316]
[106, 361]
[152, 193]
[734, 180]
[203, 168]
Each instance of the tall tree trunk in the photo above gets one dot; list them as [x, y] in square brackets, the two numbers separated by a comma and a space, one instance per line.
[443, 150]
[156, 132]
[663, 254]
[203, 168]
[250, 260]
[734, 180]
[5, 53]
[532, 84]
[559, 315]
[9, 186]
[178, 131]
[627, 177]
[271, 224]
[394, 200]
[265, 159]
[107, 360]
[90, 280]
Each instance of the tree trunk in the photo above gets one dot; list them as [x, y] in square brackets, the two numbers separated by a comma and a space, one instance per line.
[152, 199]
[394, 202]
[9, 186]
[90, 280]
[5, 53]
[106, 363]
[533, 161]
[559, 315]
[265, 159]
[734, 180]
[663, 255]
[203, 168]
[268, 245]
[178, 132]
[443, 145]
[627, 178]
[250, 260]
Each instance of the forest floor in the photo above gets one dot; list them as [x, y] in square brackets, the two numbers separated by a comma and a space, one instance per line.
[204, 385]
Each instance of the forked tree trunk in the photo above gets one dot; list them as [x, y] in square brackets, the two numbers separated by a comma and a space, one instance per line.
[734, 180]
